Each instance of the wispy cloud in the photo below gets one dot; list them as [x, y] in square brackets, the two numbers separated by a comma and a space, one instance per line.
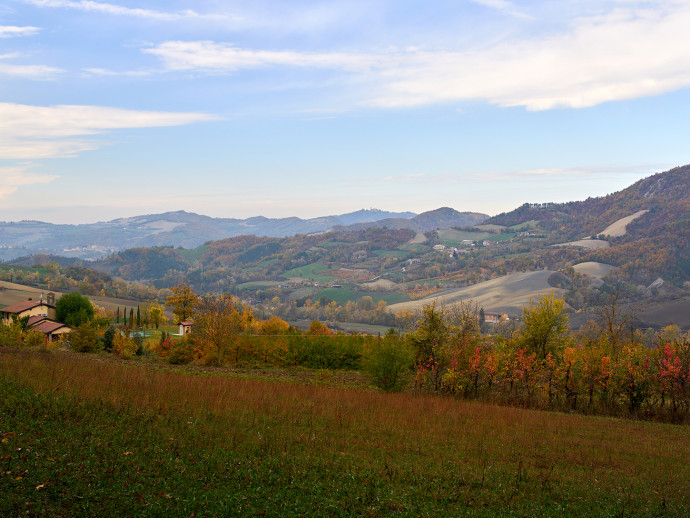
[502, 6]
[114, 9]
[13, 177]
[221, 57]
[625, 53]
[38, 72]
[33, 132]
[9, 31]
[109, 73]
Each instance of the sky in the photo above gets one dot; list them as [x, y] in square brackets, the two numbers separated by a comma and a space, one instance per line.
[310, 108]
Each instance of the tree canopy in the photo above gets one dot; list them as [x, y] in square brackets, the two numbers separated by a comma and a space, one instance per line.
[74, 309]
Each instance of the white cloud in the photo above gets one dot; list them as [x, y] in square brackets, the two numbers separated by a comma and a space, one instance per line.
[502, 6]
[32, 132]
[625, 53]
[39, 72]
[220, 57]
[13, 177]
[114, 9]
[9, 31]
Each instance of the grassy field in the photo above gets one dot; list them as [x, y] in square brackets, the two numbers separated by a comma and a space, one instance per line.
[400, 254]
[310, 272]
[506, 294]
[342, 295]
[154, 442]
[192, 254]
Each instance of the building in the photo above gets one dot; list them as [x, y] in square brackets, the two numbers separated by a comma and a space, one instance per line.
[28, 308]
[185, 327]
[495, 318]
[52, 329]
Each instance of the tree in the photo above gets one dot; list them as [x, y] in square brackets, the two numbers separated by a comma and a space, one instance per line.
[74, 309]
[545, 324]
[118, 315]
[156, 314]
[138, 317]
[216, 325]
[182, 300]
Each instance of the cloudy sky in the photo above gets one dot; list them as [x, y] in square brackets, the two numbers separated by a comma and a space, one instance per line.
[308, 108]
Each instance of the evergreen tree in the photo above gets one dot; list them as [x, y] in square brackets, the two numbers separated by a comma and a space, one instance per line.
[131, 317]
[118, 315]
[138, 317]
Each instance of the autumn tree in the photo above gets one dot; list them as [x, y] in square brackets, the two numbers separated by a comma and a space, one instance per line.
[216, 325]
[182, 300]
[156, 314]
[545, 324]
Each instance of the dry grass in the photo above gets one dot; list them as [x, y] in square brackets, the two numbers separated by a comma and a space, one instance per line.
[487, 455]
[505, 294]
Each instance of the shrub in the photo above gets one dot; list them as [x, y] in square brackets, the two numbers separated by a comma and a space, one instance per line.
[388, 363]
[84, 338]
[33, 338]
[182, 352]
[124, 346]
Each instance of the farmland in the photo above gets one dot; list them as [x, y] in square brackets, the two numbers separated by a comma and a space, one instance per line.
[147, 441]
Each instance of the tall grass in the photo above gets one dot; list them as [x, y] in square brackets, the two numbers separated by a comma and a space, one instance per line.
[290, 448]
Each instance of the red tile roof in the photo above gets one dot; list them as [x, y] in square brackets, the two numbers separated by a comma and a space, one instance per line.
[35, 320]
[48, 326]
[24, 306]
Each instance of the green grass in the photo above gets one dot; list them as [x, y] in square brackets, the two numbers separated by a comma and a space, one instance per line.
[333, 244]
[148, 442]
[256, 285]
[392, 253]
[192, 254]
[342, 295]
[310, 272]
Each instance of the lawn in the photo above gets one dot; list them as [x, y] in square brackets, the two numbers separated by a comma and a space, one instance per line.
[151, 442]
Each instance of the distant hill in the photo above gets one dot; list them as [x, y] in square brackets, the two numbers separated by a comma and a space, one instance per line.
[444, 217]
[655, 243]
[185, 229]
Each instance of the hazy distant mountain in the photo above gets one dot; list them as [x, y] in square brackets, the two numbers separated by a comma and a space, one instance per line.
[444, 217]
[179, 228]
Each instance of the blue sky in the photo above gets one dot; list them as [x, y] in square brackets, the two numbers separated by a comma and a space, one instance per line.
[308, 108]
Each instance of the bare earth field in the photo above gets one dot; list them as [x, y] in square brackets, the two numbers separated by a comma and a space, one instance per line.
[587, 243]
[506, 294]
[666, 313]
[596, 271]
[619, 228]
[380, 284]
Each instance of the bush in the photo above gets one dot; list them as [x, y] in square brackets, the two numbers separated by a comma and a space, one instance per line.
[124, 346]
[107, 339]
[182, 352]
[388, 363]
[32, 338]
[84, 338]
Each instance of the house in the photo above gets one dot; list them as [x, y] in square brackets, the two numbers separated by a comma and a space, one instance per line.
[185, 327]
[440, 248]
[27, 308]
[495, 318]
[52, 329]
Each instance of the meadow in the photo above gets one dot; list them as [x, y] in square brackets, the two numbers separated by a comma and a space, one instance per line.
[152, 441]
